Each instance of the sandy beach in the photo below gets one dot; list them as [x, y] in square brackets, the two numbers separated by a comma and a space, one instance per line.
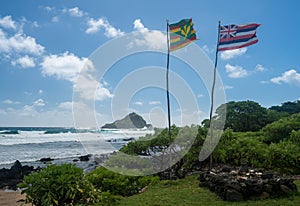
[12, 198]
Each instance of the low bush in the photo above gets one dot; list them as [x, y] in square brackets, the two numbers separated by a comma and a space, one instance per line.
[118, 184]
[62, 185]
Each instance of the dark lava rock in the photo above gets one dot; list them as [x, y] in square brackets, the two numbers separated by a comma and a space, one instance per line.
[10, 178]
[251, 185]
[85, 158]
[226, 168]
[233, 195]
[46, 159]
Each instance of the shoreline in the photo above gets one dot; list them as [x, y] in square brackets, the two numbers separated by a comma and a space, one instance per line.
[82, 161]
[11, 176]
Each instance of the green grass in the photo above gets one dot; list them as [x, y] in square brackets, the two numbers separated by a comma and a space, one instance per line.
[187, 192]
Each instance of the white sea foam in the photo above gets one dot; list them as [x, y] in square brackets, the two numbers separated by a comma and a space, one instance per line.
[29, 146]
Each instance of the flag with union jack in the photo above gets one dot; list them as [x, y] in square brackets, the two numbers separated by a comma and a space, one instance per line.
[237, 36]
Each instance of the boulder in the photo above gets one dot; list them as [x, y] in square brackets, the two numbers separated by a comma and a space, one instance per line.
[85, 158]
[10, 178]
[233, 195]
[46, 159]
[16, 171]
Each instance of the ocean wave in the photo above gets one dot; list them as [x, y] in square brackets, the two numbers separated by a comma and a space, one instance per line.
[9, 132]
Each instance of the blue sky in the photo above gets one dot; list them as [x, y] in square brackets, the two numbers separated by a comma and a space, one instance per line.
[45, 44]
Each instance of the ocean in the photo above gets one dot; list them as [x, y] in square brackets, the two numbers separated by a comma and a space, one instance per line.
[30, 144]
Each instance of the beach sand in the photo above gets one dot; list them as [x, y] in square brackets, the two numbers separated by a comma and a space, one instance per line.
[12, 198]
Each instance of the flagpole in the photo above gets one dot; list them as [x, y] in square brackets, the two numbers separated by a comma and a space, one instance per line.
[212, 101]
[167, 81]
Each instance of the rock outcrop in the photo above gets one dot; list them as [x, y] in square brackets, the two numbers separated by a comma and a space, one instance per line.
[239, 185]
[130, 121]
[10, 178]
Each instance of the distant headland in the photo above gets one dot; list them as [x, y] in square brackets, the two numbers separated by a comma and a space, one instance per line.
[130, 121]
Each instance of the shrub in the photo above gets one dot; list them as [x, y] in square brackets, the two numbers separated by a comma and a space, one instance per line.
[118, 184]
[281, 129]
[61, 185]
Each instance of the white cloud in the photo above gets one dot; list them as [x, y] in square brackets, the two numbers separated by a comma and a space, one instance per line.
[225, 87]
[75, 12]
[139, 26]
[63, 66]
[48, 8]
[289, 77]
[39, 103]
[200, 95]
[235, 71]
[138, 103]
[19, 43]
[88, 87]
[24, 62]
[233, 53]
[152, 39]
[35, 24]
[96, 25]
[154, 102]
[40, 91]
[207, 49]
[65, 105]
[55, 19]
[8, 101]
[30, 115]
[7, 22]
[259, 68]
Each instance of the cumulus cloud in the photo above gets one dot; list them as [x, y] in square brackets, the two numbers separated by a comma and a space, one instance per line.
[259, 68]
[7, 22]
[19, 43]
[154, 102]
[200, 95]
[48, 8]
[138, 103]
[225, 55]
[139, 26]
[207, 49]
[76, 12]
[226, 87]
[289, 77]
[39, 103]
[63, 66]
[55, 19]
[24, 62]
[151, 39]
[90, 89]
[235, 71]
[65, 105]
[8, 101]
[96, 25]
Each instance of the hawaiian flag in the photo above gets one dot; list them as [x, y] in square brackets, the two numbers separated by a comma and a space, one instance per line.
[237, 36]
[181, 34]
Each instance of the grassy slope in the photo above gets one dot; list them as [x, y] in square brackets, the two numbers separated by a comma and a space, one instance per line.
[187, 192]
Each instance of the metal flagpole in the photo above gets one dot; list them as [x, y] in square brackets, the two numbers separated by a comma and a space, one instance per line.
[212, 100]
[167, 80]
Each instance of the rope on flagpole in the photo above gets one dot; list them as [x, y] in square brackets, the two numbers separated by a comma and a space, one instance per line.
[212, 101]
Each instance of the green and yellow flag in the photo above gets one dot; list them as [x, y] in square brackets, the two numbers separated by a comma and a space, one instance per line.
[181, 34]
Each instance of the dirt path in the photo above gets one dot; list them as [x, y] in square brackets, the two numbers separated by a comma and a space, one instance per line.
[12, 198]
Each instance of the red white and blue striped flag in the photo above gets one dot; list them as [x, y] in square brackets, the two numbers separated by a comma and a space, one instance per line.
[237, 36]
